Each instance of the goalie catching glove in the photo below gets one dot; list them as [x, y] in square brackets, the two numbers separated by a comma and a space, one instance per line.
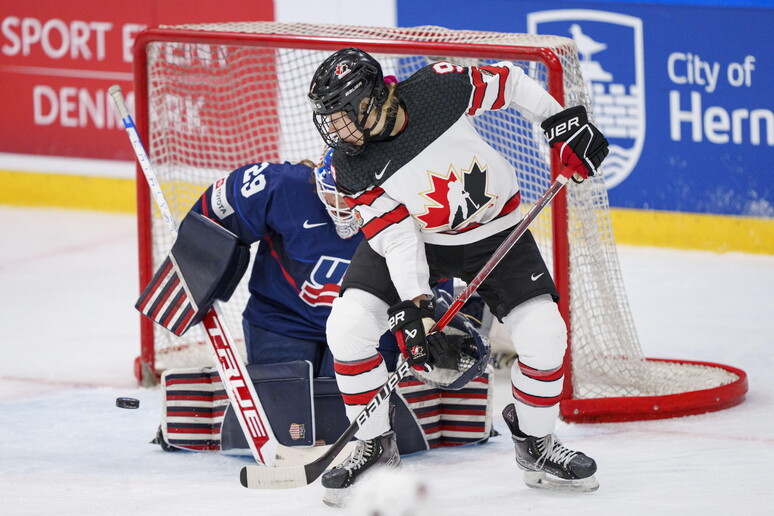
[581, 146]
[411, 325]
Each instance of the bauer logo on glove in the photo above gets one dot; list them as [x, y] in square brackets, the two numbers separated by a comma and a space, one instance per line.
[410, 324]
[581, 146]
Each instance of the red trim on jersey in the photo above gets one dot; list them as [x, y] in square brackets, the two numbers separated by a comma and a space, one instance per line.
[549, 375]
[357, 367]
[534, 401]
[362, 398]
[479, 89]
[503, 72]
[513, 203]
[377, 225]
[205, 208]
[274, 254]
[366, 198]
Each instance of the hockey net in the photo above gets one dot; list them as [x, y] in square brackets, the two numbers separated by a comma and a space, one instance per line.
[212, 97]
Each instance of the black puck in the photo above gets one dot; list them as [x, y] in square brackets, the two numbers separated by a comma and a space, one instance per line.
[130, 403]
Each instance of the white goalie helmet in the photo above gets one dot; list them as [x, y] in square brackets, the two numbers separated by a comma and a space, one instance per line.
[344, 218]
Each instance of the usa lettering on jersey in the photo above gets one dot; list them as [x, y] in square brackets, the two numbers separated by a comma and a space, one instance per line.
[324, 282]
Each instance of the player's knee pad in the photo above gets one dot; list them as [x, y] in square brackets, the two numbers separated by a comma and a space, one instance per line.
[538, 333]
[356, 322]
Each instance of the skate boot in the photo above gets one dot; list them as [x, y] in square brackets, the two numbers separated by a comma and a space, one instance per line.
[547, 464]
[379, 452]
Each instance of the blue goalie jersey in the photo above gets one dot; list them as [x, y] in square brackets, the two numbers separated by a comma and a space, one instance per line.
[300, 260]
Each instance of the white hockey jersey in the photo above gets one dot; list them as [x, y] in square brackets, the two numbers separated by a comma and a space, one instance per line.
[438, 182]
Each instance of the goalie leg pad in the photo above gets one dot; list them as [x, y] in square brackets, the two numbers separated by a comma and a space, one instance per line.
[195, 415]
[286, 392]
[450, 417]
[194, 404]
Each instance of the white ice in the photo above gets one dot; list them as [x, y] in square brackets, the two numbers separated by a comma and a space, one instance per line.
[70, 334]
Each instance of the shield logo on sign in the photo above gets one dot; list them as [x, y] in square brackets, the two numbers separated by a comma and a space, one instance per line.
[610, 48]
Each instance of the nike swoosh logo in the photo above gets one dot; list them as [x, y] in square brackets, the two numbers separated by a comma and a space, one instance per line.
[536, 277]
[380, 174]
[307, 225]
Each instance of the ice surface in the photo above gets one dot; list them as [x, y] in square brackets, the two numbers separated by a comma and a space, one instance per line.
[70, 334]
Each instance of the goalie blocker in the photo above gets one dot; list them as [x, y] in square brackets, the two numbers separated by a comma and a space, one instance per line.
[205, 264]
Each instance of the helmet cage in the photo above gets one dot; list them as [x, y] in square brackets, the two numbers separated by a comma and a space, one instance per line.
[344, 219]
[346, 88]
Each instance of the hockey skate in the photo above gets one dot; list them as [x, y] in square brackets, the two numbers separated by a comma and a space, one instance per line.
[547, 464]
[379, 452]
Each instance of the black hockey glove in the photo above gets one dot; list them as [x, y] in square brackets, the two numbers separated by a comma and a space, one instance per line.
[410, 324]
[581, 146]
[445, 350]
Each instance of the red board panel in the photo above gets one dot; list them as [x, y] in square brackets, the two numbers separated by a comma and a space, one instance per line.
[58, 59]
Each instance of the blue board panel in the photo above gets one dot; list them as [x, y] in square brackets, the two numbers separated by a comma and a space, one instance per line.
[684, 90]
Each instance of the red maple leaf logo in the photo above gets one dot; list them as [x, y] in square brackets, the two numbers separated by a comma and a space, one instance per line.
[437, 214]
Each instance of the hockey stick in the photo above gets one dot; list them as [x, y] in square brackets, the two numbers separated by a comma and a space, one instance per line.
[232, 371]
[284, 477]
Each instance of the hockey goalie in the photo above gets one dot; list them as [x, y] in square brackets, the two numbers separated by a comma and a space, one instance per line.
[305, 237]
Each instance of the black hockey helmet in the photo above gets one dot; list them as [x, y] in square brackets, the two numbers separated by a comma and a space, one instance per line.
[346, 88]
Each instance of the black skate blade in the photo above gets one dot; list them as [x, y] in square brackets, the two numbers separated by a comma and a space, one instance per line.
[542, 480]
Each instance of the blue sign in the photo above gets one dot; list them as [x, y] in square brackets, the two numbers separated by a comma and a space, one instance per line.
[683, 93]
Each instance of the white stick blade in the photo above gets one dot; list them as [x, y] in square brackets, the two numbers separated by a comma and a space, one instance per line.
[262, 477]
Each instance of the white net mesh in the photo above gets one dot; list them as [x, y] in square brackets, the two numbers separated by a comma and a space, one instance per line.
[222, 95]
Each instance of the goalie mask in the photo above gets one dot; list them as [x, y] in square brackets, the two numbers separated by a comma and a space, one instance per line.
[473, 359]
[347, 224]
[346, 88]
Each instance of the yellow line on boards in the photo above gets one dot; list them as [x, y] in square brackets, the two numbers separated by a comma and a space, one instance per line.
[68, 191]
[719, 233]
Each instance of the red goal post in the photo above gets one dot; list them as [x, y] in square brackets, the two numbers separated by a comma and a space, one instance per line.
[210, 98]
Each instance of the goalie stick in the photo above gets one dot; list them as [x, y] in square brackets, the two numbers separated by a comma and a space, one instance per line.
[285, 477]
[236, 381]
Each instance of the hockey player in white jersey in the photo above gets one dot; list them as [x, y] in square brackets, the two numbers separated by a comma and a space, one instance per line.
[399, 147]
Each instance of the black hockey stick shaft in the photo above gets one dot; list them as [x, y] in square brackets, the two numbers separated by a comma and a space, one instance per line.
[260, 477]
